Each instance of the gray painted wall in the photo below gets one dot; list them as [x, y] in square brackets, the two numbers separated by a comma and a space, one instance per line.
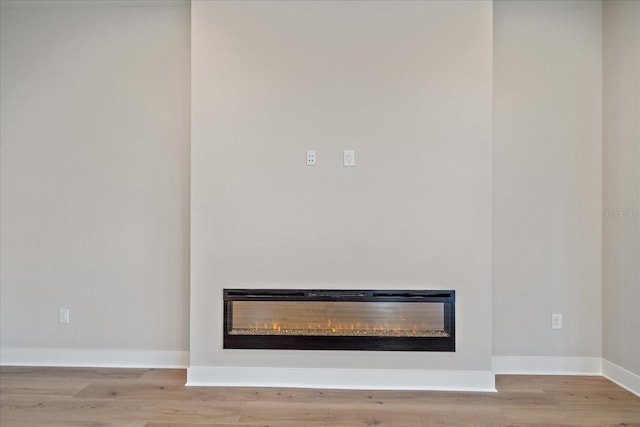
[95, 176]
[547, 177]
[405, 84]
[621, 295]
[95, 168]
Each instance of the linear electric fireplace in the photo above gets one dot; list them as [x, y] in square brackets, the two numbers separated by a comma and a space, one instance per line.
[304, 319]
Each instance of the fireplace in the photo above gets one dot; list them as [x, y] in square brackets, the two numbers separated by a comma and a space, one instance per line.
[375, 320]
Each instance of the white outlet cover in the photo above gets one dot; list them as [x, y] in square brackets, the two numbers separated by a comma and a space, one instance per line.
[311, 157]
[349, 158]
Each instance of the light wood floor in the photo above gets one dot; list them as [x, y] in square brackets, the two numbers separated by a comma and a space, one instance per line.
[157, 398]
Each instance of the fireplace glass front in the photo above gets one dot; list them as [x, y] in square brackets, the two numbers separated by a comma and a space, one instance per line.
[339, 319]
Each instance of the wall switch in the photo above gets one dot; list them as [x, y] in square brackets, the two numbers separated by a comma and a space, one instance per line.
[311, 157]
[349, 158]
[63, 315]
[556, 321]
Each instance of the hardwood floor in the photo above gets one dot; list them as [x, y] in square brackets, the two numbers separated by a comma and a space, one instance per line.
[157, 398]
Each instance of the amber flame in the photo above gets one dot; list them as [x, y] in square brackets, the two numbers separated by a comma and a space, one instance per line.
[334, 328]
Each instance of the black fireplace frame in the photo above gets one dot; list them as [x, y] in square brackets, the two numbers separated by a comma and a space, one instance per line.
[365, 343]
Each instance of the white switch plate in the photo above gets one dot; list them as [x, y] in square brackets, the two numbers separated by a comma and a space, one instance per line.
[311, 157]
[63, 315]
[556, 321]
[349, 158]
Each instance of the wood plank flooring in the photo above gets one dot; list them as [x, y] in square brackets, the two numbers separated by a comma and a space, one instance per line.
[74, 397]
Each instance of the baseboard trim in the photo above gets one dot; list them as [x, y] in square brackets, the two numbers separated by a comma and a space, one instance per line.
[365, 379]
[93, 358]
[352, 379]
[621, 376]
[533, 365]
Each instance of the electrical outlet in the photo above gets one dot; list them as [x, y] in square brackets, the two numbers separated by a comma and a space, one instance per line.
[556, 321]
[349, 159]
[63, 315]
[311, 157]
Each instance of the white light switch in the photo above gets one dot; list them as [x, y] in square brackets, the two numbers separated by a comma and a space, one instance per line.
[311, 157]
[63, 315]
[349, 158]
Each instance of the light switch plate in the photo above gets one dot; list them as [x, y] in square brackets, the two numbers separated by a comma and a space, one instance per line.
[63, 315]
[556, 321]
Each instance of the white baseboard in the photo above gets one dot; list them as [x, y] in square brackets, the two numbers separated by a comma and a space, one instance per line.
[532, 365]
[366, 379]
[354, 379]
[624, 378]
[93, 358]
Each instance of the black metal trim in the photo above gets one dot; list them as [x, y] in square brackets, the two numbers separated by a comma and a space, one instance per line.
[290, 342]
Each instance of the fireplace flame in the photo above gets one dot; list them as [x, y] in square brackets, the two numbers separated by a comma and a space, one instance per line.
[276, 326]
[382, 329]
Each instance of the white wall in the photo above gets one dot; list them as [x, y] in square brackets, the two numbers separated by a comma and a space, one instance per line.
[405, 84]
[547, 164]
[95, 170]
[95, 175]
[621, 294]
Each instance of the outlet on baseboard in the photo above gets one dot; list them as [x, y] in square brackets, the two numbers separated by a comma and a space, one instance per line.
[556, 321]
[63, 315]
